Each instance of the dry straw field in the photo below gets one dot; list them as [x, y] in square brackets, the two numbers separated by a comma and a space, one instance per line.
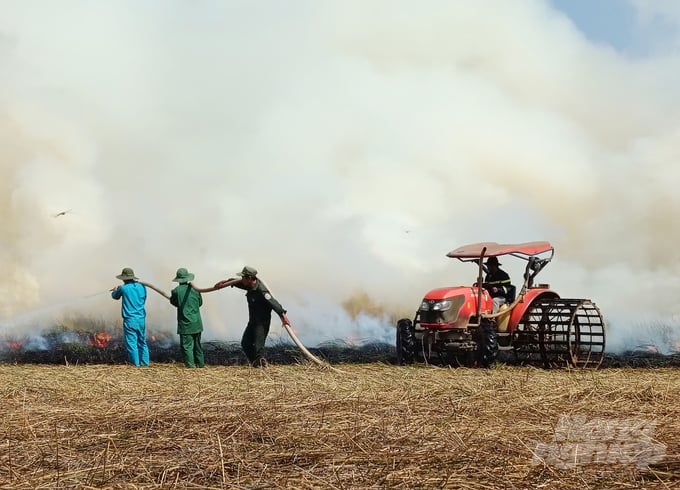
[369, 426]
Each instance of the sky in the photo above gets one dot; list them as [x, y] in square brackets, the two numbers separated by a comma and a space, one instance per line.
[341, 148]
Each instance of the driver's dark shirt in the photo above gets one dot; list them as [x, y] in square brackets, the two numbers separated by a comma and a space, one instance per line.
[498, 279]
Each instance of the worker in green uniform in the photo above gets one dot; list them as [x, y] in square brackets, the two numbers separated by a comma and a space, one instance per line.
[260, 306]
[188, 302]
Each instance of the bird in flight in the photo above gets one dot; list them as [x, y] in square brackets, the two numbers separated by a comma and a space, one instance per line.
[61, 213]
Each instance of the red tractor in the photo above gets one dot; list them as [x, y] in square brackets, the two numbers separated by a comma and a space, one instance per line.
[457, 325]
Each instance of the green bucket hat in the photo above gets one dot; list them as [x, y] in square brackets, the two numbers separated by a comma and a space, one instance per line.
[127, 275]
[183, 276]
[247, 271]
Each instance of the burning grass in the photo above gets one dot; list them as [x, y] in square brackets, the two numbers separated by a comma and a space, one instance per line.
[89, 349]
[298, 426]
[77, 348]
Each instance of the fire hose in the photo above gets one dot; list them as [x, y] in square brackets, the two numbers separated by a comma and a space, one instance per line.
[159, 291]
[148, 285]
[287, 327]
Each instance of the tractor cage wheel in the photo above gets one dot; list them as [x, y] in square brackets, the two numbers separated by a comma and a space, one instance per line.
[556, 331]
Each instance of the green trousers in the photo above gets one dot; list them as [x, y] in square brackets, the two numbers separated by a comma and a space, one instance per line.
[192, 352]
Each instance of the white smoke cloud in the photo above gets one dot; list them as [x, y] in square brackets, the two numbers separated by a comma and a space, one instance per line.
[335, 146]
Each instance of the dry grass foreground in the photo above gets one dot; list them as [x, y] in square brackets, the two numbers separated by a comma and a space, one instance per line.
[299, 426]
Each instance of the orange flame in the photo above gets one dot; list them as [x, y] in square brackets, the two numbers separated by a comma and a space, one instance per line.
[100, 339]
[14, 345]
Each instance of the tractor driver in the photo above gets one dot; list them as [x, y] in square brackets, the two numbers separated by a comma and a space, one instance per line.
[496, 282]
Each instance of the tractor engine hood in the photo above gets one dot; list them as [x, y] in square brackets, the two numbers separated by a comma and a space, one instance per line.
[451, 307]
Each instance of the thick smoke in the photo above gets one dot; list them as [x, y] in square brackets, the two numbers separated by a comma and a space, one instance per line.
[339, 147]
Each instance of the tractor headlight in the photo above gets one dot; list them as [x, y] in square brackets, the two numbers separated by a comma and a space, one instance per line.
[442, 305]
[424, 306]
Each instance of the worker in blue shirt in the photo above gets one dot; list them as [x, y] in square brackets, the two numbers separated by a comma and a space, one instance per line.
[133, 295]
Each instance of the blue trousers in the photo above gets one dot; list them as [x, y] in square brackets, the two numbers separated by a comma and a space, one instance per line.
[135, 344]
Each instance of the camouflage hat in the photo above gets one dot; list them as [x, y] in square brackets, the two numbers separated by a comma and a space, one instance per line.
[247, 271]
[126, 275]
[183, 276]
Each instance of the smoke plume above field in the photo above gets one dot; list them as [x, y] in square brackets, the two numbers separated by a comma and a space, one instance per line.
[342, 148]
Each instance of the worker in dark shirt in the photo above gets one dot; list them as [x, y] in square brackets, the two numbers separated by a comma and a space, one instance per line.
[496, 282]
[260, 306]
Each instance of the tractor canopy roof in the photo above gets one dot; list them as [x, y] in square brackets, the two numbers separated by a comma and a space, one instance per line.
[489, 249]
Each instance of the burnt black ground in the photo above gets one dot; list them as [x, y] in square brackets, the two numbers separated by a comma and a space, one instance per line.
[230, 353]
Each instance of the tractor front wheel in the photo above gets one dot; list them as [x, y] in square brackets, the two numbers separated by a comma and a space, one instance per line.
[487, 343]
[406, 342]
